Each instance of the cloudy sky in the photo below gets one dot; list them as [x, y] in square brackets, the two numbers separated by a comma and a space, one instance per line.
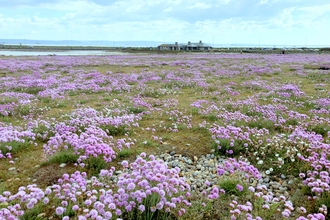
[275, 22]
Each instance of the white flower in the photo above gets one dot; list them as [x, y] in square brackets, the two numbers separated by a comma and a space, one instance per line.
[260, 162]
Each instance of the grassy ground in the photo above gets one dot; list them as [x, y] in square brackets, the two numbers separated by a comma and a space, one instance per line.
[229, 81]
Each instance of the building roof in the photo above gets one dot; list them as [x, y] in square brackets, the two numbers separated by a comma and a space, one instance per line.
[199, 44]
[189, 44]
[168, 45]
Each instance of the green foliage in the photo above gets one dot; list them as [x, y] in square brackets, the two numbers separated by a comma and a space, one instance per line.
[61, 104]
[114, 130]
[194, 111]
[95, 165]
[136, 110]
[258, 210]
[211, 117]
[150, 201]
[35, 213]
[2, 188]
[14, 145]
[69, 212]
[5, 100]
[225, 146]
[229, 185]
[33, 90]
[45, 100]
[292, 122]
[42, 130]
[24, 110]
[83, 101]
[321, 129]
[260, 124]
[151, 94]
[67, 157]
[324, 199]
[125, 153]
[148, 143]
[72, 93]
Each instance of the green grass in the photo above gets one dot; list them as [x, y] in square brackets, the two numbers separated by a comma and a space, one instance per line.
[69, 212]
[42, 129]
[136, 110]
[149, 143]
[230, 186]
[194, 111]
[211, 117]
[36, 213]
[189, 142]
[125, 153]
[237, 149]
[61, 104]
[148, 202]
[259, 124]
[23, 110]
[321, 129]
[67, 157]
[113, 130]
[95, 165]
[14, 145]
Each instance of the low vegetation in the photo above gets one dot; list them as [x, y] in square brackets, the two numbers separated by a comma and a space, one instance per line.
[102, 137]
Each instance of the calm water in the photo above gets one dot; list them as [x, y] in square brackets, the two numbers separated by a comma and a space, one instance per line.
[58, 53]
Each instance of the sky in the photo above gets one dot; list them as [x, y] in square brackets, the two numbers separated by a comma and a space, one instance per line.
[273, 22]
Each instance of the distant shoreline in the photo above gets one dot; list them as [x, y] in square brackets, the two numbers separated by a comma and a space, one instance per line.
[44, 48]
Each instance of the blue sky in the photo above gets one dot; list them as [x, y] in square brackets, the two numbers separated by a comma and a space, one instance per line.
[275, 22]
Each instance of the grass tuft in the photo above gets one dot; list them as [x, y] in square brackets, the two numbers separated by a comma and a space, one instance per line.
[67, 157]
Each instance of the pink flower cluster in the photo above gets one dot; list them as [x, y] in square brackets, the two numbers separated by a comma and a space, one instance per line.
[100, 198]
[231, 165]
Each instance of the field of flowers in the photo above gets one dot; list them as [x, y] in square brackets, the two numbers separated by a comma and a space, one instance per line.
[188, 136]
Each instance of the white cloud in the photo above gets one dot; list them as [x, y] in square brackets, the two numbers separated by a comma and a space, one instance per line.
[168, 9]
[199, 5]
[221, 20]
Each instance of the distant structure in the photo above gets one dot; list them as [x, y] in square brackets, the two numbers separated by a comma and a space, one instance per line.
[188, 47]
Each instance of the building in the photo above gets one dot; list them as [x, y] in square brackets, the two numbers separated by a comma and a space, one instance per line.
[187, 47]
[175, 46]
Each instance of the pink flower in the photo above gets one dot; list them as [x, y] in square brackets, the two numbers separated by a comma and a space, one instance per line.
[130, 186]
[141, 208]
[59, 210]
[239, 187]
[75, 207]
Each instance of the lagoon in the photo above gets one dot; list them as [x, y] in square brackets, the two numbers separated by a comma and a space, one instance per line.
[59, 53]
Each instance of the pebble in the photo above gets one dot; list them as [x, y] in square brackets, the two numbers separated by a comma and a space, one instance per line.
[266, 180]
[62, 165]
[197, 170]
[12, 169]
[41, 215]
